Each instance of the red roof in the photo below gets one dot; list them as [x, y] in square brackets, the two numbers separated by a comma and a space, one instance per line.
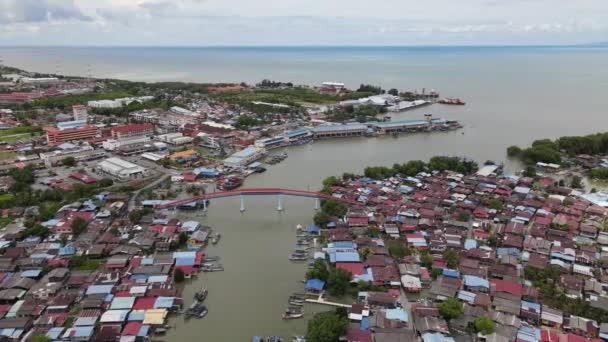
[357, 335]
[355, 268]
[83, 177]
[132, 128]
[144, 303]
[131, 329]
[189, 177]
[500, 285]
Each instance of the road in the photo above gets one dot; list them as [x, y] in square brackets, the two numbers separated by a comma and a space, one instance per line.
[133, 199]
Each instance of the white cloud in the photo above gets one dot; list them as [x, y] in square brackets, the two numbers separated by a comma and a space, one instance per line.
[303, 22]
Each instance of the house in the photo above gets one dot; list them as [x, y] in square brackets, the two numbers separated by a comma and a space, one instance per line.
[314, 286]
[198, 238]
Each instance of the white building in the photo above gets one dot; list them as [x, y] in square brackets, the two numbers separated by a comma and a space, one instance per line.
[39, 80]
[111, 144]
[80, 113]
[122, 169]
[245, 156]
[104, 104]
[175, 138]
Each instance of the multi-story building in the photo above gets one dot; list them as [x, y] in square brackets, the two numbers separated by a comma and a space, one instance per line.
[339, 131]
[55, 135]
[80, 113]
[112, 144]
[84, 153]
[126, 132]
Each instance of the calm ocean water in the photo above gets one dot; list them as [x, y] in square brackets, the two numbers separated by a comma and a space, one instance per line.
[513, 95]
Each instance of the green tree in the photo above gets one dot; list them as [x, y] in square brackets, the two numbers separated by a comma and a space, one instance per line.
[426, 260]
[436, 272]
[514, 151]
[495, 204]
[179, 275]
[105, 182]
[68, 161]
[326, 327]
[484, 325]
[38, 230]
[576, 182]
[318, 271]
[338, 281]
[450, 309]
[183, 238]
[321, 218]
[452, 258]
[79, 225]
[334, 207]
[394, 92]
[40, 338]
[397, 249]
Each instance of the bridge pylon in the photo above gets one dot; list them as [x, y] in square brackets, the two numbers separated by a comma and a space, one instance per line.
[242, 203]
[280, 204]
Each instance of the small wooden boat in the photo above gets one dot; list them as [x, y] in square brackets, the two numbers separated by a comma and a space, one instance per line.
[211, 259]
[287, 316]
[301, 258]
[216, 238]
[201, 295]
[212, 268]
[298, 338]
[197, 309]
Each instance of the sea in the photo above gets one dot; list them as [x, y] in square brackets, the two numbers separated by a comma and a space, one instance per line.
[514, 95]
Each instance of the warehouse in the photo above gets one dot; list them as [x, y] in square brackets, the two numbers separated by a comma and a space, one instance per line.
[122, 169]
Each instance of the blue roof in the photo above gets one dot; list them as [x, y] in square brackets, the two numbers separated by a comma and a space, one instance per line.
[97, 289]
[190, 226]
[31, 273]
[189, 254]
[85, 331]
[185, 261]
[451, 273]
[54, 333]
[436, 337]
[67, 250]
[342, 244]
[163, 302]
[245, 152]
[396, 314]
[50, 223]
[470, 244]
[344, 257]
[313, 228]
[364, 323]
[475, 281]
[147, 261]
[137, 315]
[530, 306]
[143, 331]
[315, 284]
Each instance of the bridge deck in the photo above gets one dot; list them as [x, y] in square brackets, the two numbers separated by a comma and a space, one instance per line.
[256, 192]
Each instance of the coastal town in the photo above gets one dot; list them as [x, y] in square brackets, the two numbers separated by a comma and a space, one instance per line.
[95, 174]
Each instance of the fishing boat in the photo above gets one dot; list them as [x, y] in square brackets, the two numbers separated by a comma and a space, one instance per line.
[448, 101]
[296, 258]
[287, 316]
[230, 183]
[303, 242]
[211, 259]
[197, 309]
[257, 339]
[216, 238]
[201, 295]
[212, 268]
[274, 339]
[298, 338]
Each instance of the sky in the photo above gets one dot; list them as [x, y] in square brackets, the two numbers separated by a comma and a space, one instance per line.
[301, 22]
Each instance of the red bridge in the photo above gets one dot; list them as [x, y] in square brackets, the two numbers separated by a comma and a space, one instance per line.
[256, 192]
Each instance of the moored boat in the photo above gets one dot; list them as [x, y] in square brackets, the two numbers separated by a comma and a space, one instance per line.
[287, 316]
[201, 295]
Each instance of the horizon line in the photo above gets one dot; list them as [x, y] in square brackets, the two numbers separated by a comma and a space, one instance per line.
[594, 44]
